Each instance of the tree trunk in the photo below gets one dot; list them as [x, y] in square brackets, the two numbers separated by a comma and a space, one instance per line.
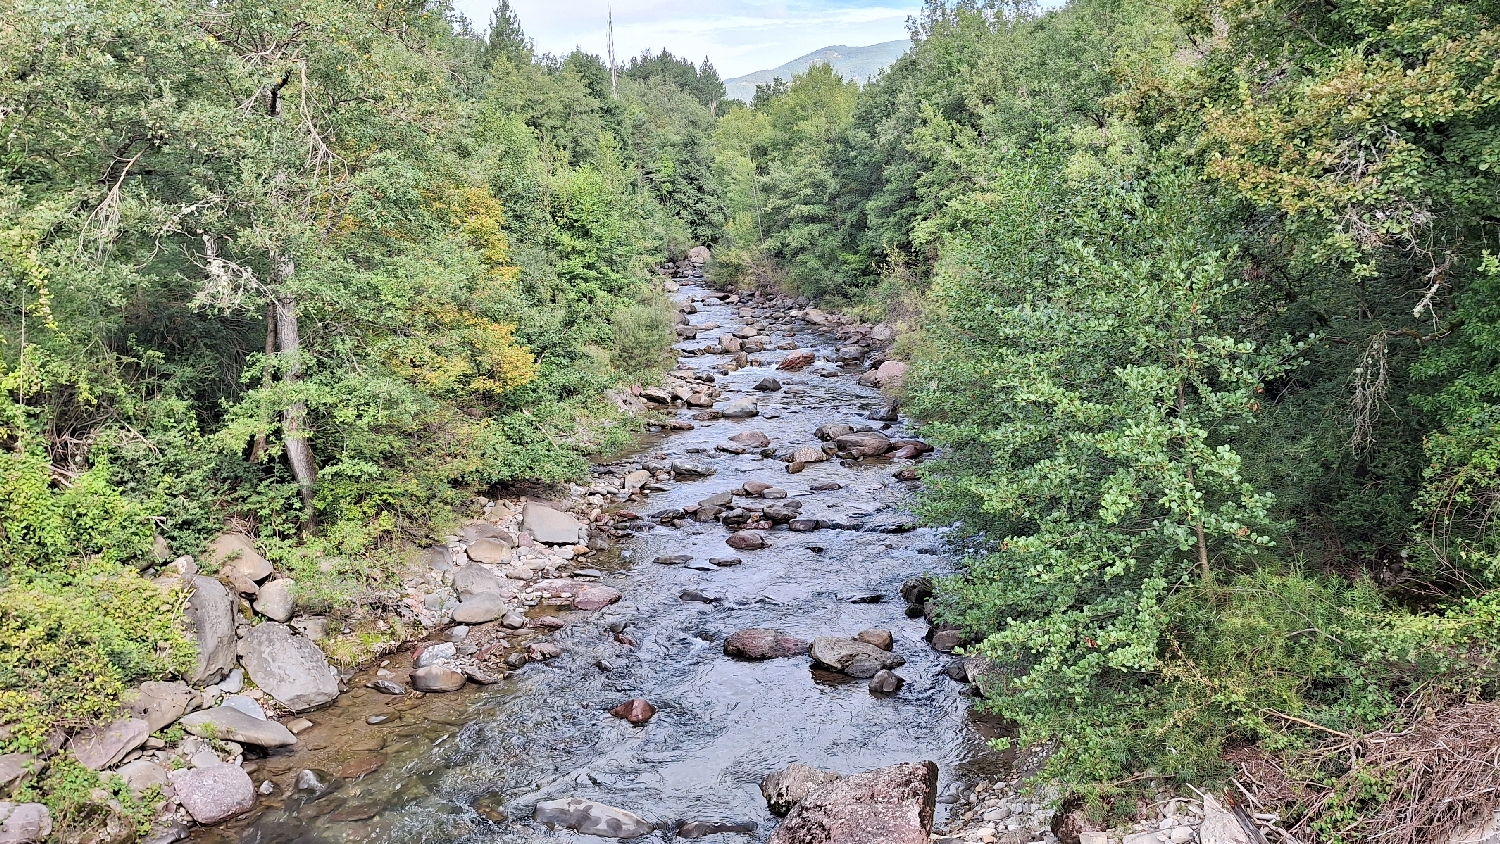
[294, 418]
[258, 450]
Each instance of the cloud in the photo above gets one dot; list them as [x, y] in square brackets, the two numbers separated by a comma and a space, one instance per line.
[738, 36]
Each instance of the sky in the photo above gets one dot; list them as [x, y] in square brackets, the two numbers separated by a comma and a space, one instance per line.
[738, 36]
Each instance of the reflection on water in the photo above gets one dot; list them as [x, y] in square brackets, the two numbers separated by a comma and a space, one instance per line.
[468, 767]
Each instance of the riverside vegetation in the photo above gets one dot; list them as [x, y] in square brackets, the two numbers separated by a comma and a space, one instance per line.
[1204, 299]
[1201, 305]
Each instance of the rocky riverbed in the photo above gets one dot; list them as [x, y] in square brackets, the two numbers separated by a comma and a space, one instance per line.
[634, 658]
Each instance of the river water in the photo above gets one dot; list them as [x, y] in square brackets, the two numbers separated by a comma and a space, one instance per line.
[544, 732]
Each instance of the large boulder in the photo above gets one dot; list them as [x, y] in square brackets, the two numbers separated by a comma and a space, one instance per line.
[746, 540]
[742, 408]
[480, 608]
[852, 657]
[864, 444]
[787, 787]
[752, 439]
[275, 600]
[235, 553]
[227, 723]
[475, 579]
[24, 823]
[16, 769]
[288, 667]
[97, 748]
[591, 818]
[762, 643]
[490, 549]
[437, 678]
[209, 618]
[158, 704]
[549, 526]
[214, 793]
[886, 806]
[141, 775]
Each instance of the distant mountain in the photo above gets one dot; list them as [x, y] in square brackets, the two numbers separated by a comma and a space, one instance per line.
[858, 63]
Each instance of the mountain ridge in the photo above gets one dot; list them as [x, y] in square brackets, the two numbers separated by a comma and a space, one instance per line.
[858, 63]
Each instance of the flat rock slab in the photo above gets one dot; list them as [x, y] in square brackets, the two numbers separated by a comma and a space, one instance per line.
[98, 748]
[591, 818]
[215, 793]
[480, 608]
[24, 823]
[229, 724]
[891, 805]
[288, 667]
[549, 526]
[584, 595]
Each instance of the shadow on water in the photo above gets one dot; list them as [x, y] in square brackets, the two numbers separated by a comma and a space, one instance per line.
[468, 767]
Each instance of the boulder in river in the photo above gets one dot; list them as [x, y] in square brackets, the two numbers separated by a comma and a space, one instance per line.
[891, 805]
[214, 793]
[549, 526]
[209, 614]
[763, 643]
[746, 540]
[703, 829]
[789, 786]
[876, 636]
[886, 682]
[768, 385]
[229, 724]
[833, 431]
[752, 439]
[637, 711]
[591, 818]
[742, 408]
[692, 469]
[807, 454]
[288, 667]
[852, 657]
[437, 678]
[864, 444]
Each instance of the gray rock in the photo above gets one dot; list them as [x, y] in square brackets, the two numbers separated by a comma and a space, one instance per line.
[789, 786]
[886, 682]
[244, 704]
[892, 805]
[855, 658]
[768, 385]
[437, 678]
[703, 829]
[226, 723]
[234, 683]
[275, 600]
[1220, 826]
[742, 408]
[549, 526]
[867, 444]
[24, 823]
[591, 818]
[235, 552]
[214, 793]
[752, 439]
[807, 454]
[386, 687]
[158, 704]
[475, 579]
[946, 641]
[490, 549]
[718, 499]
[833, 431]
[209, 618]
[692, 469]
[289, 668]
[481, 608]
[432, 654]
[513, 620]
[314, 784]
[141, 775]
[97, 748]
[17, 768]
[746, 540]
[637, 479]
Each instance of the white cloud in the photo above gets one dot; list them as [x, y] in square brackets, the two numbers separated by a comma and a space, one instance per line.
[738, 36]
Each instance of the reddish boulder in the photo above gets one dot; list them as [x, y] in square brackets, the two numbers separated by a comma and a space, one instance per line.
[763, 643]
[637, 711]
[797, 361]
[746, 541]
